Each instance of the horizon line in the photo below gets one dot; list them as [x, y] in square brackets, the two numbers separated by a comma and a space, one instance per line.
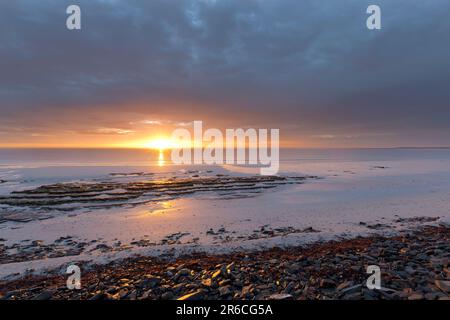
[143, 148]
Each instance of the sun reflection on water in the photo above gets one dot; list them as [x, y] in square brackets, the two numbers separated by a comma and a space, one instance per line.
[155, 209]
[161, 160]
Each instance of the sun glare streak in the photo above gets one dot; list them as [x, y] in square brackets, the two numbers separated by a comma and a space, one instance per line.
[161, 161]
[161, 144]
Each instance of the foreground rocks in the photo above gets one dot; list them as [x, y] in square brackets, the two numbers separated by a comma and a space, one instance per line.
[414, 266]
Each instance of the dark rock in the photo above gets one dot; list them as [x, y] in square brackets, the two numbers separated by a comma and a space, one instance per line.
[224, 291]
[327, 283]
[416, 296]
[44, 295]
[280, 296]
[444, 285]
[167, 296]
[151, 282]
[344, 285]
[98, 296]
[197, 295]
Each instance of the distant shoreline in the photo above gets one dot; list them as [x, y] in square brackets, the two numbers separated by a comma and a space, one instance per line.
[285, 148]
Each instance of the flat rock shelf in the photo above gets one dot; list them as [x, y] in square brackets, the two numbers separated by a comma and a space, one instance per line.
[43, 200]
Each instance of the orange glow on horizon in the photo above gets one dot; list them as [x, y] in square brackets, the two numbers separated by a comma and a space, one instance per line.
[161, 144]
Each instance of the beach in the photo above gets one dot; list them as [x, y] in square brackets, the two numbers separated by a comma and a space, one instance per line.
[108, 216]
[414, 264]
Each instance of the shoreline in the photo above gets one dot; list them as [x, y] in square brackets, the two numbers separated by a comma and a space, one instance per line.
[414, 265]
[33, 258]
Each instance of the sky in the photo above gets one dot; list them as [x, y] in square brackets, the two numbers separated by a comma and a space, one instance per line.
[139, 69]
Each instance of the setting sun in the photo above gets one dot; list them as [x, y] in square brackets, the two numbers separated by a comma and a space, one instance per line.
[161, 144]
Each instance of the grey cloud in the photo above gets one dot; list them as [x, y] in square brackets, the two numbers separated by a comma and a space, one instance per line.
[270, 63]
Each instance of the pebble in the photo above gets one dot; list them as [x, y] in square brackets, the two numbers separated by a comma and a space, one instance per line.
[327, 283]
[224, 291]
[444, 285]
[182, 273]
[416, 296]
[280, 296]
[45, 295]
[98, 296]
[344, 285]
[151, 282]
[197, 295]
[167, 295]
[216, 274]
[247, 290]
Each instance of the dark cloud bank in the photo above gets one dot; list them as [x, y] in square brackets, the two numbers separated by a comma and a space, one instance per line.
[308, 67]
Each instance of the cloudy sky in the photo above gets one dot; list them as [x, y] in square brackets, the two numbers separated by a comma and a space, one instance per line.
[141, 68]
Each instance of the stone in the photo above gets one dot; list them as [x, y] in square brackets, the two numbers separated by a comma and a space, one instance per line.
[230, 266]
[290, 287]
[224, 291]
[147, 294]
[416, 296]
[351, 289]
[444, 285]
[44, 295]
[247, 290]
[123, 293]
[10, 294]
[132, 295]
[431, 295]
[98, 296]
[327, 283]
[182, 273]
[151, 282]
[216, 274]
[344, 285]
[167, 295]
[225, 282]
[370, 294]
[280, 296]
[353, 296]
[197, 295]
[390, 293]
[207, 282]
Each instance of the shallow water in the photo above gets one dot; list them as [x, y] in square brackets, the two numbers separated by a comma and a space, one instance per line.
[376, 187]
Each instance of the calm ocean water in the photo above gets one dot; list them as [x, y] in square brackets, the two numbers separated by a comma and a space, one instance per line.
[137, 157]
